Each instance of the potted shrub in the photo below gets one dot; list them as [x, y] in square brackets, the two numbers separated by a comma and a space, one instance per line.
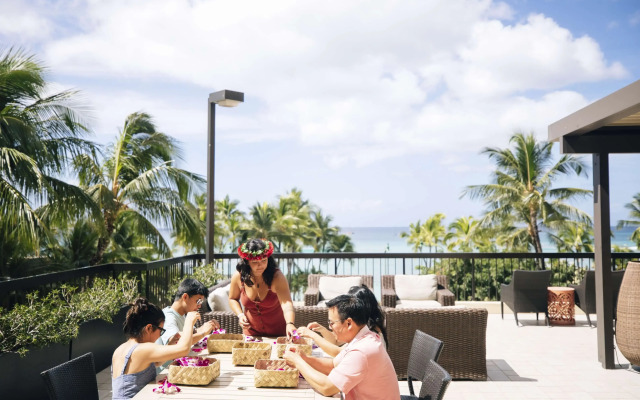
[101, 312]
[34, 337]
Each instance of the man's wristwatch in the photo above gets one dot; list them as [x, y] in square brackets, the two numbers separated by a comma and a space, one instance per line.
[291, 323]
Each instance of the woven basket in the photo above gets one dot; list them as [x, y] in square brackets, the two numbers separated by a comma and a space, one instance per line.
[302, 345]
[249, 353]
[194, 375]
[223, 342]
[266, 374]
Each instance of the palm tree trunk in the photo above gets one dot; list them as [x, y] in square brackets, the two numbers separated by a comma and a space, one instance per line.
[103, 242]
[535, 235]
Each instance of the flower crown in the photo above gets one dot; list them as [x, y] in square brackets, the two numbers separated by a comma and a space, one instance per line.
[252, 255]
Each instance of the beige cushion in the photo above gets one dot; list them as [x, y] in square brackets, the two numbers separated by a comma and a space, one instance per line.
[331, 287]
[416, 287]
[418, 304]
[219, 299]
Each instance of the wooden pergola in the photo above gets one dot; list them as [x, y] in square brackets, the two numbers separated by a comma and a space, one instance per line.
[609, 125]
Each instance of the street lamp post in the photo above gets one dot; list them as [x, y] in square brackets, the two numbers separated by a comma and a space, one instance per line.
[223, 98]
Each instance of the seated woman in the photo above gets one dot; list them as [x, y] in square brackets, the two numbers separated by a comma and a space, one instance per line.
[133, 364]
[263, 291]
[326, 340]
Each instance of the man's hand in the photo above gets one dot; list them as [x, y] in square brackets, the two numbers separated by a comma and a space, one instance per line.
[208, 327]
[174, 339]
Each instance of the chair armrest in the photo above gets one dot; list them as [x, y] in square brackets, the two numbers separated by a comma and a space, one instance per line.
[228, 320]
[445, 297]
[506, 293]
[389, 297]
[312, 297]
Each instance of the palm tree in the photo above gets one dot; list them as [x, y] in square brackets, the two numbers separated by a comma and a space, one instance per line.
[522, 190]
[232, 220]
[574, 238]
[433, 232]
[39, 134]
[634, 213]
[464, 235]
[138, 186]
[261, 223]
[322, 231]
[414, 236]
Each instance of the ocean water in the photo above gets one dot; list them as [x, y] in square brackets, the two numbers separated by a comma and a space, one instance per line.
[388, 240]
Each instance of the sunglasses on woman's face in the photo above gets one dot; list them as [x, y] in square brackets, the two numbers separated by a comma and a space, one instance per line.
[162, 330]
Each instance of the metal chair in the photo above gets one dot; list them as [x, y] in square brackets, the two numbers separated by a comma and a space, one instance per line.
[527, 292]
[424, 348]
[434, 383]
[75, 379]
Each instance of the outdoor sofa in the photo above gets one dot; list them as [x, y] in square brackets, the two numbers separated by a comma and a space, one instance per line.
[462, 330]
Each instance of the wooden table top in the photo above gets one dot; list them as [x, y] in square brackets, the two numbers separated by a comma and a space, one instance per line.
[233, 382]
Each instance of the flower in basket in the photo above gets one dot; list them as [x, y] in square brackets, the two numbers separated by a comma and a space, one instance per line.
[249, 339]
[191, 362]
[218, 331]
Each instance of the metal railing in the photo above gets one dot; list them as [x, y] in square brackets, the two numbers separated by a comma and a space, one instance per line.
[472, 276]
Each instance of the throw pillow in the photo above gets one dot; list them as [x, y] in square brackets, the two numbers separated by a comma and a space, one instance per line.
[331, 287]
[219, 299]
[416, 287]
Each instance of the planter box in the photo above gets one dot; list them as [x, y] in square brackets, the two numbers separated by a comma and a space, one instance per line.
[22, 374]
[100, 338]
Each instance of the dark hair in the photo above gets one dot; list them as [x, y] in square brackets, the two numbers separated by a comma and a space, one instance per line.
[349, 306]
[191, 287]
[376, 315]
[140, 315]
[245, 269]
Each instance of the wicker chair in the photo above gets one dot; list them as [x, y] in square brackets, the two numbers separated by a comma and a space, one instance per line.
[443, 296]
[424, 348]
[527, 292]
[434, 383]
[463, 332]
[586, 292]
[75, 379]
[312, 295]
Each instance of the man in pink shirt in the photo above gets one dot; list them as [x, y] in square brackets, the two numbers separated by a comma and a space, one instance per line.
[363, 369]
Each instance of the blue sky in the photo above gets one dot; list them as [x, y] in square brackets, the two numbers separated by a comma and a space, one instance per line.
[376, 110]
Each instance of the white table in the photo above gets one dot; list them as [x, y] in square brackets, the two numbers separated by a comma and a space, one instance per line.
[234, 382]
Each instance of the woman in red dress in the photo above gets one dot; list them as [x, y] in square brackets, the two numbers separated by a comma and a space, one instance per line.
[262, 290]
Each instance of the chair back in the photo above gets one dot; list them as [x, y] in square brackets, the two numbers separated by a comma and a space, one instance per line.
[424, 348]
[74, 379]
[389, 281]
[589, 281]
[435, 382]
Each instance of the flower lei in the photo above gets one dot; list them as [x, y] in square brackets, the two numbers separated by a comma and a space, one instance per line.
[251, 255]
[166, 387]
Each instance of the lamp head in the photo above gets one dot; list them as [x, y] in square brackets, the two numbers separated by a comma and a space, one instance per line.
[226, 98]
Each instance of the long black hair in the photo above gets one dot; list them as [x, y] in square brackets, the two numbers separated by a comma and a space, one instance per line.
[141, 313]
[245, 269]
[375, 320]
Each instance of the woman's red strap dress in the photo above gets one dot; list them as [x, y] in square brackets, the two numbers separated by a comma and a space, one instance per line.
[266, 316]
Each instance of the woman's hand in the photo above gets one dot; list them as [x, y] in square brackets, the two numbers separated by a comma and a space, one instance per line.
[291, 328]
[243, 321]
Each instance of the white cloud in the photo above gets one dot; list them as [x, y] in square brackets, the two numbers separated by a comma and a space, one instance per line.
[24, 22]
[356, 81]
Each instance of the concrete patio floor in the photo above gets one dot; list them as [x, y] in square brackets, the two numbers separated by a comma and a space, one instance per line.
[532, 361]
